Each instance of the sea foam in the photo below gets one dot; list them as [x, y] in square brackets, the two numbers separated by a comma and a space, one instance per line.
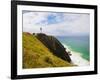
[76, 57]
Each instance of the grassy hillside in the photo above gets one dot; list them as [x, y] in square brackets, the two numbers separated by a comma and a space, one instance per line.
[36, 55]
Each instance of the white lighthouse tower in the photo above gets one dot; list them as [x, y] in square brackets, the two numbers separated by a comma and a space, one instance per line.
[41, 29]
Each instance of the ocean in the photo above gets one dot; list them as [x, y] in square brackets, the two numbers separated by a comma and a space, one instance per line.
[78, 44]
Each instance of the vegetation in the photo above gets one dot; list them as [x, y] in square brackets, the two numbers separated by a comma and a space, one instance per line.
[37, 55]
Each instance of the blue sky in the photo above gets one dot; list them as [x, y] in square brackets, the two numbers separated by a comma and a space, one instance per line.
[56, 23]
[53, 18]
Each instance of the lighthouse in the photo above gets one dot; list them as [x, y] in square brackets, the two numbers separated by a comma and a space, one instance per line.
[41, 29]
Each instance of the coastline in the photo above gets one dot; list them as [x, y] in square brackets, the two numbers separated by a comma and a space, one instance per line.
[76, 57]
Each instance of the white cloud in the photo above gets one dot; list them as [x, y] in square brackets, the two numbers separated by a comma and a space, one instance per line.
[72, 24]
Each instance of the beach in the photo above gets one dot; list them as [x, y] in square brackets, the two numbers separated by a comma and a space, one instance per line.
[77, 58]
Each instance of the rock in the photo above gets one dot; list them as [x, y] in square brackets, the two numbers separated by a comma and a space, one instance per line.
[54, 46]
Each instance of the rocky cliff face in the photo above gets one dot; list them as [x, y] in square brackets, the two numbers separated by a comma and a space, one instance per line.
[54, 46]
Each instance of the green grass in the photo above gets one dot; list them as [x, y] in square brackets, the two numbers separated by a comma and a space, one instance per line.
[36, 55]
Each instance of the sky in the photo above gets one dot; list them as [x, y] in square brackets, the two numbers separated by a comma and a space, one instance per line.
[56, 23]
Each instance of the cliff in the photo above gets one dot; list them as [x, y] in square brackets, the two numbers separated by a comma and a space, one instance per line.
[54, 46]
[40, 51]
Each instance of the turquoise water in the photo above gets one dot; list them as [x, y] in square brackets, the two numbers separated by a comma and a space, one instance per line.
[78, 44]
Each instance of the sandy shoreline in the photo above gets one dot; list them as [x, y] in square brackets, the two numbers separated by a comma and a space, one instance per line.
[76, 58]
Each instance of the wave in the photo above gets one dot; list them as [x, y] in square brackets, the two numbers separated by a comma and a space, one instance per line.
[76, 57]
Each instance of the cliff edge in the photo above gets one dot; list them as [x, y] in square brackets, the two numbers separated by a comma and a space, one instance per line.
[54, 46]
[39, 51]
